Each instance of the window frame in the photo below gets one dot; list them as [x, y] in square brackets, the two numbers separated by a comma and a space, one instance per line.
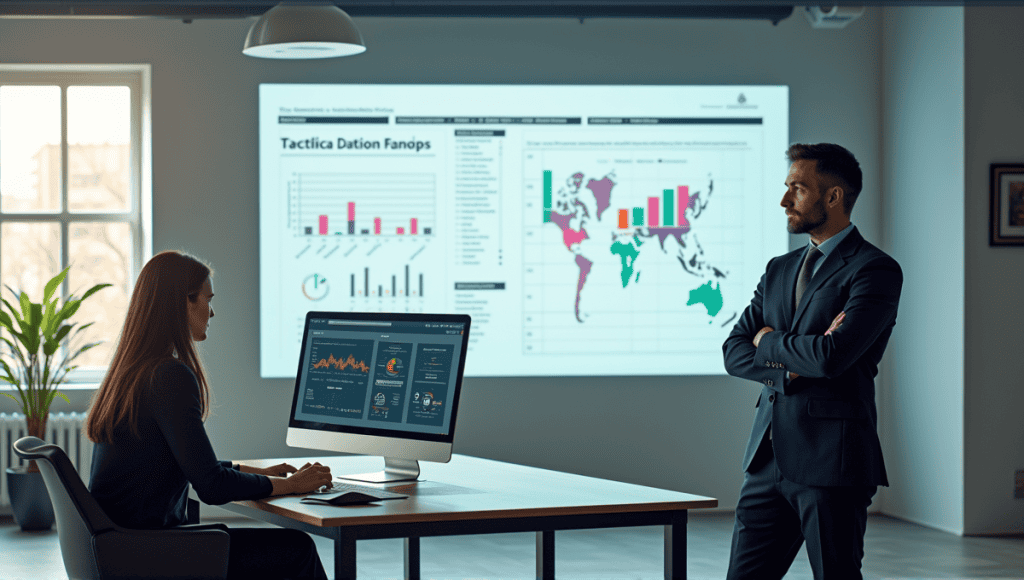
[139, 214]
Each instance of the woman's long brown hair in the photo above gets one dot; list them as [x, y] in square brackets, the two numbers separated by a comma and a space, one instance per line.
[156, 329]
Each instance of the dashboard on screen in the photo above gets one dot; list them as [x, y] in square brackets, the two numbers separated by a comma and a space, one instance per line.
[587, 229]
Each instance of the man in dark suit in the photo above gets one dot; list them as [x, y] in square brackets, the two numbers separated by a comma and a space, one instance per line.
[812, 336]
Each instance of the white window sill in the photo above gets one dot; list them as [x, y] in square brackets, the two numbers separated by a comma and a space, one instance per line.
[5, 388]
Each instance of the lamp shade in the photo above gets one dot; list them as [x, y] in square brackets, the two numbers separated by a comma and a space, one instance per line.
[290, 31]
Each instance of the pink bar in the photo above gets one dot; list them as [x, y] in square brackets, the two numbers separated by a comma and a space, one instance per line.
[376, 226]
[323, 225]
[653, 214]
[399, 231]
[412, 226]
[351, 211]
[683, 199]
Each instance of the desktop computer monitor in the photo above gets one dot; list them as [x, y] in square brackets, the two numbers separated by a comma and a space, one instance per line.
[380, 384]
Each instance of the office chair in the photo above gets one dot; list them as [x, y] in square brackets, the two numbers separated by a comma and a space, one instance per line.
[94, 547]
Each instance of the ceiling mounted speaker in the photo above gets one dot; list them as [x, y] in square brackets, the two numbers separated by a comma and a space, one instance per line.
[832, 16]
[303, 31]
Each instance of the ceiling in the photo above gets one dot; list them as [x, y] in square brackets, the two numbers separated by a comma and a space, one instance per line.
[772, 10]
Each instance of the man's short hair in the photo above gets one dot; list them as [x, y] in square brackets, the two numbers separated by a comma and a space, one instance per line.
[836, 164]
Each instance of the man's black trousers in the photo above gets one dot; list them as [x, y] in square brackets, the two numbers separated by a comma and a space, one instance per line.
[775, 516]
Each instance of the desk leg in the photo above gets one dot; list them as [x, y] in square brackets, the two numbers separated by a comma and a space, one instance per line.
[344, 556]
[675, 547]
[412, 558]
[546, 555]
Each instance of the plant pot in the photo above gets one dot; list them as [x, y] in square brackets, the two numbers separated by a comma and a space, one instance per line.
[30, 501]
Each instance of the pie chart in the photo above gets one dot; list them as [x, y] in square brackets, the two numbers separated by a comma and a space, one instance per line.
[315, 287]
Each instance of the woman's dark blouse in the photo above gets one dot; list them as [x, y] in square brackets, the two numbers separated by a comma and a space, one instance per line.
[142, 482]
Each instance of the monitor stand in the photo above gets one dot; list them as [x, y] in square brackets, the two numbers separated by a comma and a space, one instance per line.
[394, 470]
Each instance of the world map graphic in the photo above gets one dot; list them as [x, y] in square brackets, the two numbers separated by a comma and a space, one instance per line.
[579, 210]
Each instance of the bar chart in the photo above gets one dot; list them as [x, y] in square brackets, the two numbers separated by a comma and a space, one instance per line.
[362, 204]
[370, 283]
[676, 201]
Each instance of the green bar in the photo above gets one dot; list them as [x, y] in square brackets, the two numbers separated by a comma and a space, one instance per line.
[547, 195]
[669, 212]
[638, 216]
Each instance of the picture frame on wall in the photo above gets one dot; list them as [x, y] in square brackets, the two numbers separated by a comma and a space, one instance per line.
[1006, 208]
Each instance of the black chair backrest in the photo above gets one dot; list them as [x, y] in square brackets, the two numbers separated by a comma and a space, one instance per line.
[79, 517]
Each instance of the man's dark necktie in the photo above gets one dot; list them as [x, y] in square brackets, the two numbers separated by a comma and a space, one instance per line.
[806, 271]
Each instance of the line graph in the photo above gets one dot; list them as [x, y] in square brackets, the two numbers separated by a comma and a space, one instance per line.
[341, 364]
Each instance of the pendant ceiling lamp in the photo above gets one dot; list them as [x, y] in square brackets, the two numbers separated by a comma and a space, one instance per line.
[297, 31]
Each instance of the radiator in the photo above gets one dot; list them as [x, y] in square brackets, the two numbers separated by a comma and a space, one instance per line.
[64, 429]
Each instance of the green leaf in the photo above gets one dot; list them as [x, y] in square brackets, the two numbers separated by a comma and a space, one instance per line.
[85, 348]
[94, 290]
[37, 314]
[14, 312]
[15, 349]
[64, 330]
[31, 342]
[22, 324]
[48, 316]
[14, 346]
[21, 339]
[54, 282]
[6, 321]
[30, 324]
[26, 306]
[50, 347]
[69, 310]
[20, 403]
[45, 407]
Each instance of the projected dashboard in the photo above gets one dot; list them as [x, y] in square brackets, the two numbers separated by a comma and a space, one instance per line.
[588, 230]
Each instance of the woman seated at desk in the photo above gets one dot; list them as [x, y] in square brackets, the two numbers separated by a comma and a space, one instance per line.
[147, 422]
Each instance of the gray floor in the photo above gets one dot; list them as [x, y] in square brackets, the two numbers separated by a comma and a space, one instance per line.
[894, 549]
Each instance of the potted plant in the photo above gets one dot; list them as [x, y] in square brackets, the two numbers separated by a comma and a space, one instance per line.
[36, 333]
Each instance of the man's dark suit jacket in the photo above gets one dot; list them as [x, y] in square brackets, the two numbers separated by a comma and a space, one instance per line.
[824, 423]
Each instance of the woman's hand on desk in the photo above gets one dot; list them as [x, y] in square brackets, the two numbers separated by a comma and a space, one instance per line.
[311, 477]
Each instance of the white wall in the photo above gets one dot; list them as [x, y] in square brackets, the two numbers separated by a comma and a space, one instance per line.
[205, 201]
[993, 416]
[923, 146]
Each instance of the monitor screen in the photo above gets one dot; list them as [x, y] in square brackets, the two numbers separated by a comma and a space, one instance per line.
[385, 375]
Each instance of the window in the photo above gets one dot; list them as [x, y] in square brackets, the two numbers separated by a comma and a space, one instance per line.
[72, 184]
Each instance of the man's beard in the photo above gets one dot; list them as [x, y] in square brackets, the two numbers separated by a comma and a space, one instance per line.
[807, 222]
